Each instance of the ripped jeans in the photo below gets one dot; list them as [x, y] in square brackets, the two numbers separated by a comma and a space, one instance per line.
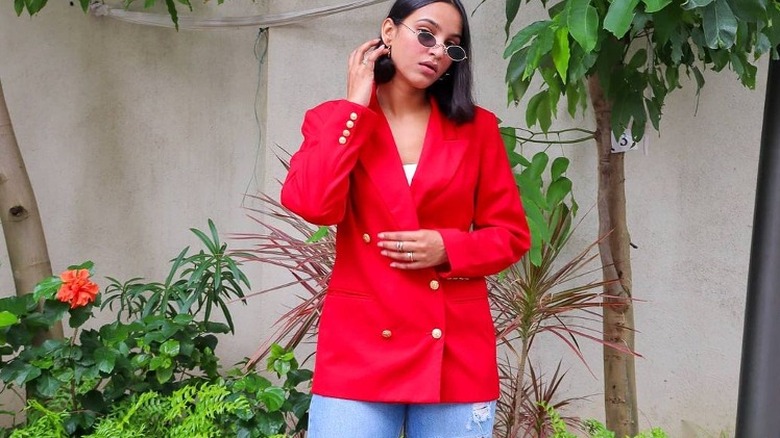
[338, 418]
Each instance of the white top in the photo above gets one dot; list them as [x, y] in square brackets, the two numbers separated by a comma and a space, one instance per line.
[409, 170]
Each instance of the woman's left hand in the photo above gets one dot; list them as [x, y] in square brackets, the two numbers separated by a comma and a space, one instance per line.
[413, 249]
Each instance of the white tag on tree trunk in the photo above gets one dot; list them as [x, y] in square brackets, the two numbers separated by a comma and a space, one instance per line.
[623, 144]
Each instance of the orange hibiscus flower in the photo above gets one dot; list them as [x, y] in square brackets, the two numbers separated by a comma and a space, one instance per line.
[76, 288]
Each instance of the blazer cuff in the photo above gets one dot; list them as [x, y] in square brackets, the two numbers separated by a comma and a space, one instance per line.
[348, 124]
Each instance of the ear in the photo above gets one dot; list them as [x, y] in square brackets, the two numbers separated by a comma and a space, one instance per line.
[388, 32]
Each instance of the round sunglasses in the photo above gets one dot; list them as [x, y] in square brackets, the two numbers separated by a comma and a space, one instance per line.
[455, 53]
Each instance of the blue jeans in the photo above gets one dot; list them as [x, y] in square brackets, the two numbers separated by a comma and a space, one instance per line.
[339, 418]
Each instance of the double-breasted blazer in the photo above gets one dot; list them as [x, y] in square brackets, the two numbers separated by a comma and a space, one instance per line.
[412, 336]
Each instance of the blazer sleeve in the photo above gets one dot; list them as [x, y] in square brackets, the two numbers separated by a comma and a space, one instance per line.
[317, 184]
[499, 235]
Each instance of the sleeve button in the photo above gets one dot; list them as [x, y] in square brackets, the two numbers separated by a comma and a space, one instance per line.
[353, 116]
[366, 238]
[434, 285]
[342, 140]
[350, 124]
[346, 133]
[436, 333]
[386, 334]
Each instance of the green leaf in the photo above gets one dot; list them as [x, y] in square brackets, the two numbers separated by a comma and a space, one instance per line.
[85, 5]
[539, 109]
[19, 7]
[296, 377]
[47, 385]
[35, 6]
[140, 360]
[538, 164]
[516, 90]
[720, 25]
[46, 288]
[535, 252]
[557, 191]
[699, 78]
[693, 4]
[655, 5]
[273, 398]
[583, 23]
[532, 108]
[512, 6]
[172, 11]
[750, 10]
[545, 112]
[580, 63]
[558, 168]
[516, 67]
[638, 60]
[572, 98]
[64, 375]
[509, 137]
[763, 45]
[270, 423]
[672, 76]
[7, 318]
[525, 34]
[538, 49]
[666, 22]
[164, 374]
[170, 347]
[654, 112]
[27, 374]
[318, 235]
[105, 359]
[619, 16]
[159, 362]
[79, 316]
[561, 52]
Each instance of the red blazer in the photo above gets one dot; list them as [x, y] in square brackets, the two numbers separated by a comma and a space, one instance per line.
[413, 336]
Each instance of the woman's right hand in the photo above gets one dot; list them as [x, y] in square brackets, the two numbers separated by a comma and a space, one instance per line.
[360, 73]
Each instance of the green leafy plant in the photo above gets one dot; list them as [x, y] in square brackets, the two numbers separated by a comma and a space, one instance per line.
[543, 293]
[34, 6]
[594, 429]
[240, 405]
[166, 338]
[306, 252]
[625, 57]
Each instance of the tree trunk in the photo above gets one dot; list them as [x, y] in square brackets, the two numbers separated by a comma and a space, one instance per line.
[620, 399]
[19, 216]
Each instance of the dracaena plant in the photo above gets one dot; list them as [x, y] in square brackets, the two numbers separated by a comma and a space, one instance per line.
[548, 291]
[307, 252]
[538, 391]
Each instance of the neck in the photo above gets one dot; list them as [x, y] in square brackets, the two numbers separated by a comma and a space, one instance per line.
[401, 100]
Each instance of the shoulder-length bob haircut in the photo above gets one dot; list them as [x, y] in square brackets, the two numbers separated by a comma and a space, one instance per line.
[453, 90]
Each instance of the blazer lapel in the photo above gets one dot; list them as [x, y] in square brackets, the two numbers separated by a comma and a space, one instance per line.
[441, 156]
[383, 166]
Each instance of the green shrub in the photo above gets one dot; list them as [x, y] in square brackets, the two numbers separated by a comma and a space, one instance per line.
[594, 428]
[160, 352]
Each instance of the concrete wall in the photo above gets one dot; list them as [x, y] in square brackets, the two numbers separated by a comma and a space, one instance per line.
[134, 134]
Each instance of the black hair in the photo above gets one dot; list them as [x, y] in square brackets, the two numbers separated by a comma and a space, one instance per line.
[453, 90]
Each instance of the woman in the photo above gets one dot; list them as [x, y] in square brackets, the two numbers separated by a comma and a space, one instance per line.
[417, 180]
